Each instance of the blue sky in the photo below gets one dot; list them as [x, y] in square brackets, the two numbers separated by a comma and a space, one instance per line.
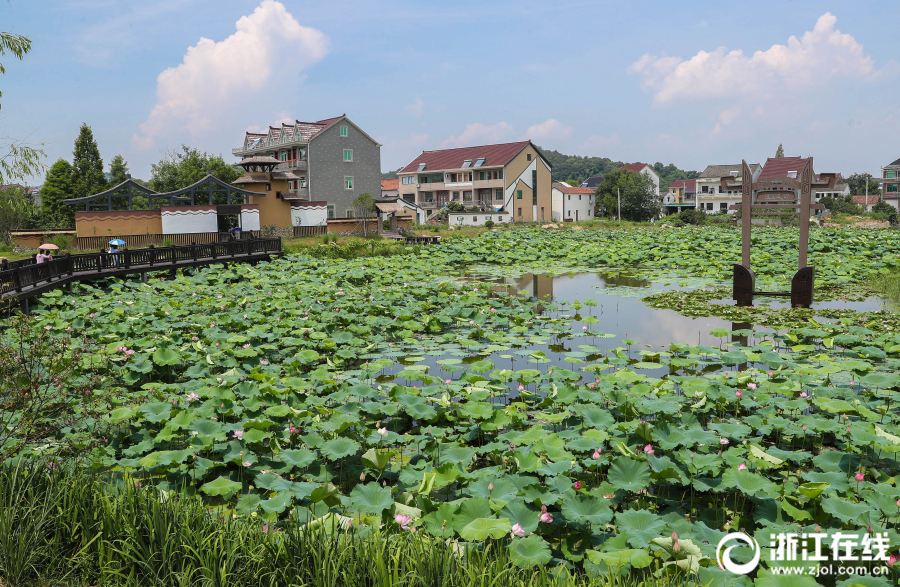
[686, 83]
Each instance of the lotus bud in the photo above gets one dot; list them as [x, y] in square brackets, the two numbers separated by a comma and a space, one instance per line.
[577, 485]
[869, 529]
[544, 508]
[818, 528]
[362, 476]
[491, 486]
[674, 535]
[676, 547]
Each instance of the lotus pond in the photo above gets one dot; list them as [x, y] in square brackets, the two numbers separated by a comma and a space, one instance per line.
[513, 389]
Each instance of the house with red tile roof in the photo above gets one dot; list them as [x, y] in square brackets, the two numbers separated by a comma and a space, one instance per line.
[572, 204]
[331, 160]
[646, 170]
[511, 177]
[390, 187]
[890, 183]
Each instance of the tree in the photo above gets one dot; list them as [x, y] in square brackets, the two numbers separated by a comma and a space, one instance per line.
[364, 209]
[179, 169]
[887, 210]
[19, 159]
[118, 170]
[58, 187]
[857, 183]
[87, 166]
[779, 152]
[639, 201]
[15, 209]
[842, 204]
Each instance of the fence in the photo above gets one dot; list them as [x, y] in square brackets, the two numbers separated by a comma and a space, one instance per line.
[19, 277]
[302, 231]
[89, 243]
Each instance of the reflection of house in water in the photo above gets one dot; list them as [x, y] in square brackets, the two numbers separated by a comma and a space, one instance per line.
[540, 285]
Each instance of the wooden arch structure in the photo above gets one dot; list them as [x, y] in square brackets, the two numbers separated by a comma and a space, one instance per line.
[764, 198]
[206, 189]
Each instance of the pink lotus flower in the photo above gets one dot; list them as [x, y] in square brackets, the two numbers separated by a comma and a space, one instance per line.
[265, 528]
[892, 560]
[246, 463]
[724, 441]
[739, 393]
[546, 518]
[859, 477]
[742, 467]
[803, 394]
[577, 485]
[293, 430]
[238, 434]
[264, 362]
[596, 454]
[521, 387]
[649, 449]
[92, 315]
[751, 385]
[771, 373]
[584, 327]
[517, 531]
[383, 431]
[449, 381]
[192, 396]
[362, 476]
[491, 486]
[402, 520]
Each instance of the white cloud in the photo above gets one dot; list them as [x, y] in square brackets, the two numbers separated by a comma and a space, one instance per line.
[729, 114]
[214, 77]
[480, 134]
[815, 60]
[550, 130]
[417, 108]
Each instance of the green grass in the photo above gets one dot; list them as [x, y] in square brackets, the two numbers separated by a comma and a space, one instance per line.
[59, 527]
[887, 285]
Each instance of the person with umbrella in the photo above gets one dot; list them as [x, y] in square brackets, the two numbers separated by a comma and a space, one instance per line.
[114, 249]
[42, 256]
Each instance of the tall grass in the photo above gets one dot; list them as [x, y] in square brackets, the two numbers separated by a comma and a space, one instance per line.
[60, 526]
[888, 286]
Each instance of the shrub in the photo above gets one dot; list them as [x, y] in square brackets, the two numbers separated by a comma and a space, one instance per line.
[886, 211]
[456, 207]
[489, 224]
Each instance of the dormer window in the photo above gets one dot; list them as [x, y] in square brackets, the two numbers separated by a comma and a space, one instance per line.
[480, 162]
[421, 167]
[792, 174]
[734, 173]
[467, 163]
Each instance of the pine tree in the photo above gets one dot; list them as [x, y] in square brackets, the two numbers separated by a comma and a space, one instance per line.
[58, 187]
[87, 166]
[118, 170]
[779, 152]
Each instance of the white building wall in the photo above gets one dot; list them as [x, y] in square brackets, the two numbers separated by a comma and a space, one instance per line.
[572, 207]
[479, 218]
[250, 218]
[309, 215]
[189, 219]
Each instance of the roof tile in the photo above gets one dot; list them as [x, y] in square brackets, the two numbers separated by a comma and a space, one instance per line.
[390, 184]
[453, 158]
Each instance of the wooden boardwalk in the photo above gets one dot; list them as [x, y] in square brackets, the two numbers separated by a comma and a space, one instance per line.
[22, 280]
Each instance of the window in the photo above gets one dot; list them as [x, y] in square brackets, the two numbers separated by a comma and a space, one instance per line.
[891, 174]
[467, 163]
[348, 183]
[343, 131]
[534, 190]
[579, 197]
[429, 196]
[284, 155]
[302, 182]
[709, 206]
[421, 167]
[348, 154]
[891, 187]
[498, 194]
[409, 179]
[519, 197]
[529, 156]
[331, 210]
[520, 212]
[423, 179]
[479, 163]
[723, 206]
[704, 189]
[483, 175]
[474, 218]
[268, 187]
[349, 213]
[467, 196]
[570, 197]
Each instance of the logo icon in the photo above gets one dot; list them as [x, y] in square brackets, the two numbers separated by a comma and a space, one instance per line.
[724, 558]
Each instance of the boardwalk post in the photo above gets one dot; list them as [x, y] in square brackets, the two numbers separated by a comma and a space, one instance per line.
[144, 276]
[194, 250]
[24, 306]
[152, 255]
[17, 280]
[70, 264]
[127, 259]
[100, 262]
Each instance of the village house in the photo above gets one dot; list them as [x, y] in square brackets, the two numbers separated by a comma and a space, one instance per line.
[390, 188]
[572, 204]
[331, 161]
[890, 180]
[646, 170]
[709, 194]
[509, 181]
[680, 196]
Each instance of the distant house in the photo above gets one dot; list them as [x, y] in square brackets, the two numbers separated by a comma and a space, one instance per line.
[592, 182]
[681, 196]
[646, 170]
[571, 203]
[390, 188]
[510, 177]
[708, 187]
[890, 179]
[866, 202]
[840, 189]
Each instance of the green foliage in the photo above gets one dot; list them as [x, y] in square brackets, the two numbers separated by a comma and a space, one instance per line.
[637, 192]
[887, 211]
[858, 181]
[118, 170]
[15, 210]
[456, 207]
[87, 177]
[179, 169]
[21, 159]
[573, 169]
[840, 204]
[779, 152]
[58, 186]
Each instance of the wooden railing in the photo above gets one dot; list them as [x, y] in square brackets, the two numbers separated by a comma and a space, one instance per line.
[88, 243]
[302, 231]
[16, 278]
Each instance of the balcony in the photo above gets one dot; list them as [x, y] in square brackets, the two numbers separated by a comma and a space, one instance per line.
[488, 183]
[293, 165]
[456, 185]
[297, 194]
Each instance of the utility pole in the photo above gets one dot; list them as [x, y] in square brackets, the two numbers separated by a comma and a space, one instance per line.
[619, 198]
